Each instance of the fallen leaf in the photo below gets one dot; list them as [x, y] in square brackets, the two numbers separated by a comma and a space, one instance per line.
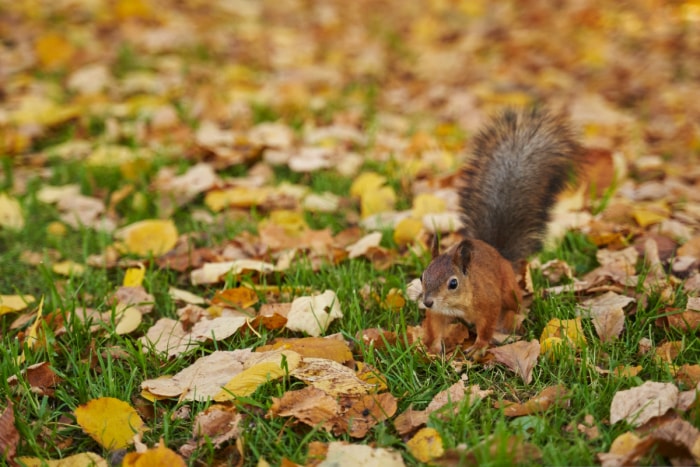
[520, 357]
[361, 413]
[569, 330]
[362, 246]
[688, 375]
[9, 436]
[85, 459]
[548, 397]
[331, 377]
[668, 351]
[129, 321]
[274, 365]
[316, 347]
[310, 405]
[238, 297]
[148, 237]
[426, 445]
[407, 231]
[158, 456]
[607, 313]
[40, 377]
[53, 50]
[314, 314]
[133, 277]
[11, 216]
[640, 404]
[14, 303]
[68, 268]
[109, 421]
[341, 454]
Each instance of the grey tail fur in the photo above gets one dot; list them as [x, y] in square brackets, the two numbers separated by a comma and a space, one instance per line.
[521, 162]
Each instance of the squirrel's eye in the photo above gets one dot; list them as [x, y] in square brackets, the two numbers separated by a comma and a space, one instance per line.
[453, 283]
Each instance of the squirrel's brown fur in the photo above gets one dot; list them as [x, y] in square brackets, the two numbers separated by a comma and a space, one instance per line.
[520, 163]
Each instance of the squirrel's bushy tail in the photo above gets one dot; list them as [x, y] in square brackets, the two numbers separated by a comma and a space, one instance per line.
[520, 163]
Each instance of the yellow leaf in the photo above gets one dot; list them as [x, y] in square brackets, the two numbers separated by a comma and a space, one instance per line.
[68, 268]
[42, 111]
[366, 182]
[160, 456]
[153, 236]
[428, 204]
[426, 445]
[109, 421]
[395, 300]
[376, 201]
[292, 222]
[134, 277]
[650, 214]
[129, 322]
[33, 332]
[624, 444]
[569, 330]
[550, 345]
[242, 297]
[56, 229]
[407, 230]
[246, 382]
[127, 9]
[240, 197]
[11, 216]
[13, 303]
[84, 459]
[53, 50]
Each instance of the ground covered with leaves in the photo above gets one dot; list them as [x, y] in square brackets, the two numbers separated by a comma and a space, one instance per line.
[211, 212]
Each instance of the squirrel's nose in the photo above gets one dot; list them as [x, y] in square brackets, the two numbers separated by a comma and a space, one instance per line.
[428, 302]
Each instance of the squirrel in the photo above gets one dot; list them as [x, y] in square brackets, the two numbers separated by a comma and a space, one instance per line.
[521, 161]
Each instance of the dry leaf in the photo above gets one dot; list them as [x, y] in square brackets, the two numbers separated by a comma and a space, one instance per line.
[361, 413]
[569, 330]
[310, 405]
[85, 459]
[211, 273]
[13, 303]
[133, 277]
[362, 246]
[426, 445]
[159, 456]
[9, 436]
[668, 351]
[109, 421]
[149, 237]
[40, 377]
[638, 405]
[317, 347]
[607, 312]
[341, 454]
[549, 396]
[129, 321]
[11, 216]
[314, 314]
[238, 297]
[520, 357]
[273, 365]
[407, 231]
[331, 377]
[201, 380]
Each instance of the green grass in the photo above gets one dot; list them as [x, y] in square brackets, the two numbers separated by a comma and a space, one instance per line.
[84, 360]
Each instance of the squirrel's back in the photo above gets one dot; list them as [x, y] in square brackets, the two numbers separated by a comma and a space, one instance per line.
[520, 163]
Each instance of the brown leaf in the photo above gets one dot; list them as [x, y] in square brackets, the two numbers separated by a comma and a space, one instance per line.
[607, 313]
[520, 357]
[377, 337]
[238, 297]
[549, 396]
[272, 316]
[309, 405]
[361, 413]
[640, 404]
[411, 419]
[41, 379]
[688, 375]
[331, 377]
[9, 437]
[316, 347]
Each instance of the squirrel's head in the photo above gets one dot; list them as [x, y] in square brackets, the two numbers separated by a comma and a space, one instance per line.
[445, 281]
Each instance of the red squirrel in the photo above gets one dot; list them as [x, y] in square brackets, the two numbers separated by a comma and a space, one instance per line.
[521, 162]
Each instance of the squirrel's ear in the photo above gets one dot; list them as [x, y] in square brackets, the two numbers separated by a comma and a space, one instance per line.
[435, 249]
[463, 255]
